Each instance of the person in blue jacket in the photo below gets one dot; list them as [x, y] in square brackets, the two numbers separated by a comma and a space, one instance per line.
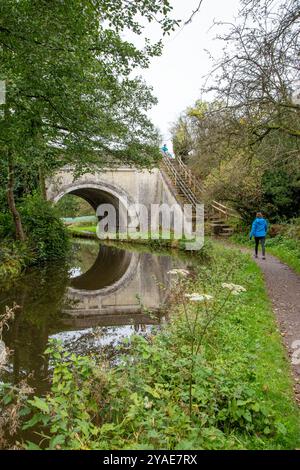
[165, 149]
[166, 152]
[259, 231]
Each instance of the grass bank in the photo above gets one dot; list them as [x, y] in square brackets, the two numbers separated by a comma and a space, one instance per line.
[216, 376]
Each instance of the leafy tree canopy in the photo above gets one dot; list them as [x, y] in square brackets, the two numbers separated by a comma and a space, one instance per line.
[71, 97]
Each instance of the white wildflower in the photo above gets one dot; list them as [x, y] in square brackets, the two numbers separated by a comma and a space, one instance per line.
[195, 297]
[3, 354]
[179, 272]
[147, 403]
[234, 288]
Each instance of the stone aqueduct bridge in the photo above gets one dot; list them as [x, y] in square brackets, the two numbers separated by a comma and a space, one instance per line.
[137, 273]
[120, 187]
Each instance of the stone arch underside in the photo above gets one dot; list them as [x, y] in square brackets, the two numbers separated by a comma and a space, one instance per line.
[100, 193]
[95, 197]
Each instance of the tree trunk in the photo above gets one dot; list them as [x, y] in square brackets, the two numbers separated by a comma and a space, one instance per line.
[20, 235]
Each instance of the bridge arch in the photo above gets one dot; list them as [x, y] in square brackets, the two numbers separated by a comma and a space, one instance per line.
[95, 193]
[100, 192]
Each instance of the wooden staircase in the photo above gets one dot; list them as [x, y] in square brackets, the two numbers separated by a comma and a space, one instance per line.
[187, 190]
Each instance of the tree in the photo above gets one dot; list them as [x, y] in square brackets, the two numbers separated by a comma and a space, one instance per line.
[247, 138]
[260, 68]
[182, 139]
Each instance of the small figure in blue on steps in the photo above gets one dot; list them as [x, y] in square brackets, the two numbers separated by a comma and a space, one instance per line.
[259, 231]
[165, 150]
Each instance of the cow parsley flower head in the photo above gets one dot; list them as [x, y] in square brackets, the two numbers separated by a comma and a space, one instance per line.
[234, 288]
[179, 272]
[147, 403]
[195, 297]
[3, 353]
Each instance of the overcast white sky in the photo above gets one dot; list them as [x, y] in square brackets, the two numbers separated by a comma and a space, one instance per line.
[176, 76]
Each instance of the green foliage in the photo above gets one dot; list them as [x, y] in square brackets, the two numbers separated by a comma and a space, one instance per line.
[292, 229]
[182, 140]
[71, 96]
[88, 91]
[281, 194]
[286, 249]
[73, 206]
[7, 228]
[68, 206]
[14, 257]
[233, 391]
[72, 399]
[238, 183]
[47, 235]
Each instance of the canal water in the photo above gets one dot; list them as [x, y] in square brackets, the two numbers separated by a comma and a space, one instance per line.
[101, 296]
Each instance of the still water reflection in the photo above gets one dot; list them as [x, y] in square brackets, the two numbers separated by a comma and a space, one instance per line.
[104, 295]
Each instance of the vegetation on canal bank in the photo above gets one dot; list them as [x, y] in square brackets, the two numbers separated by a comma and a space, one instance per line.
[47, 238]
[215, 377]
[14, 257]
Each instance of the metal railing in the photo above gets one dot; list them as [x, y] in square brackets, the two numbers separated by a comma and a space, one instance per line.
[179, 181]
[190, 186]
[190, 177]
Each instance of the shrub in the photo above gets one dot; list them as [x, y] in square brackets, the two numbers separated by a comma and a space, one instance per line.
[276, 229]
[13, 258]
[293, 229]
[93, 407]
[46, 233]
[6, 225]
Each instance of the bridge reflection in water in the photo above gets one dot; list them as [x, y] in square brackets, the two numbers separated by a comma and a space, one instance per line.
[107, 295]
[119, 282]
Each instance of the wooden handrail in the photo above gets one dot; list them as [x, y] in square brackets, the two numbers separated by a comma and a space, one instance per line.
[219, 204]
[224, 209]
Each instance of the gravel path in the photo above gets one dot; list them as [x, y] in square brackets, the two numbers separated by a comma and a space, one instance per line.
[283, 287]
